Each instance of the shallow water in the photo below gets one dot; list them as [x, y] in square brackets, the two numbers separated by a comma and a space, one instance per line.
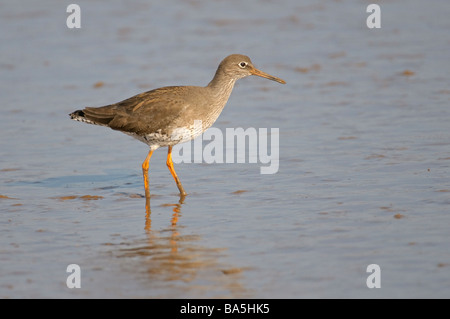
[364, 152]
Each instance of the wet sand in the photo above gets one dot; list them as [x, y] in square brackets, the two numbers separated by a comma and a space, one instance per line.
[364, 152]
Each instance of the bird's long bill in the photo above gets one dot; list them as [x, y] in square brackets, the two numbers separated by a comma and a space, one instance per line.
[267, 76]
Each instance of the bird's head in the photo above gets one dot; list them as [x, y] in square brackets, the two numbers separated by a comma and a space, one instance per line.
[239, 66]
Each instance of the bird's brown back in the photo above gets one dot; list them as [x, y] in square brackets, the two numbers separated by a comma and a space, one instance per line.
[157, 110]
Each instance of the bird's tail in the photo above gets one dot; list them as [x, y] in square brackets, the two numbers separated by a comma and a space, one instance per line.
[79, 115]
[90, 116]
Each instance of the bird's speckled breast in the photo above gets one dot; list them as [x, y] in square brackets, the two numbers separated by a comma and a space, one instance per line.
[195, 119]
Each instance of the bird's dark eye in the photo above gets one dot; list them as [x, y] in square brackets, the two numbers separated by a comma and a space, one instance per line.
[243, 64]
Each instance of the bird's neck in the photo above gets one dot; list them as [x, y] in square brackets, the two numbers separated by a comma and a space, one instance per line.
[221, 85]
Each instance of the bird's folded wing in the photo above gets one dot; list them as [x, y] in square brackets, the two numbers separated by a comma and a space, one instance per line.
[145, 113]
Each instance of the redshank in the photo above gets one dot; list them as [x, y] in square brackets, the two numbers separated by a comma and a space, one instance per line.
[161, 117]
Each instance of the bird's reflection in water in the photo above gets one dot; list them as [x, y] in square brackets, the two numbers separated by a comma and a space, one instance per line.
[169, 259]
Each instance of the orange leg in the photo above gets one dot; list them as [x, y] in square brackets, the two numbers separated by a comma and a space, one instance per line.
[145, 173]
[174, 174]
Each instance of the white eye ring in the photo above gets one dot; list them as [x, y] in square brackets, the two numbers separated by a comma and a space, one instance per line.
[242, 65]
